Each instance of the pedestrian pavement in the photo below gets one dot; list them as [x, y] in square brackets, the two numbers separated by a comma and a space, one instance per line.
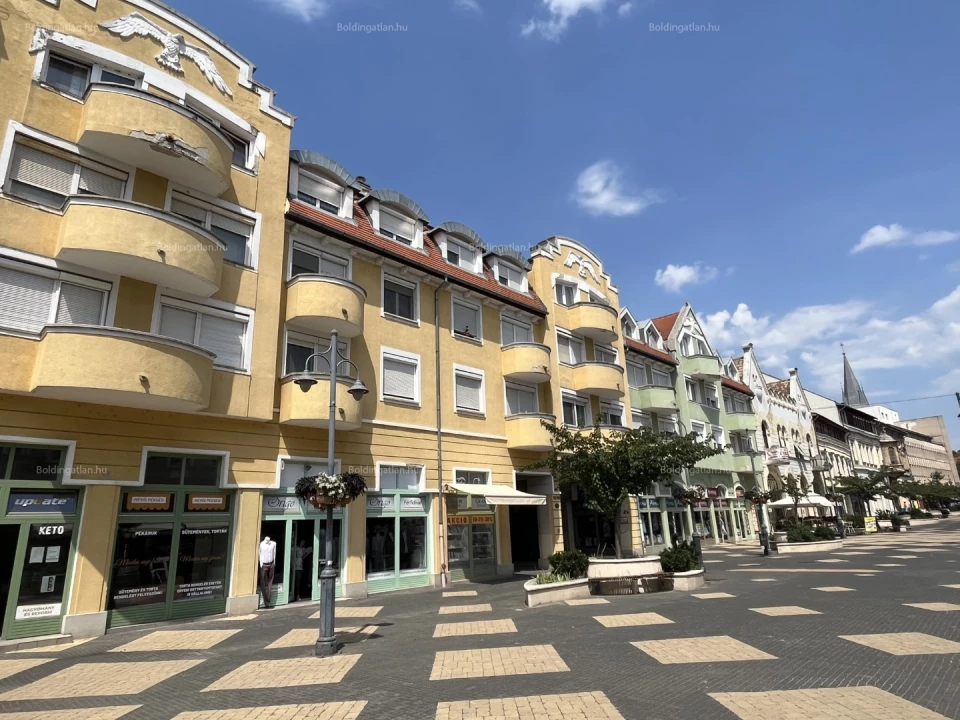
[863, 632]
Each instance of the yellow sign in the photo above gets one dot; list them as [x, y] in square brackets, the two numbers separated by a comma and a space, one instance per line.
[870, 525]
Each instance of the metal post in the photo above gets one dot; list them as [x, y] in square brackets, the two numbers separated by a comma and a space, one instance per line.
[327, 642]
[698, 547]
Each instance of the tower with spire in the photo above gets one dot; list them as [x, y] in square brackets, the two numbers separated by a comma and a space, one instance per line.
[853, 394]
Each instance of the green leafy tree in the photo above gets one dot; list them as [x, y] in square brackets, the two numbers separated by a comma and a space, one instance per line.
[608, 469]
[865, 489]
[793, 489]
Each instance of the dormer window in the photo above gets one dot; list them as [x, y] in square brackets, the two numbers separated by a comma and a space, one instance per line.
[319, 192]
[396, 227]
[629, 329]
[461, 255]
[653, 339]
[694, 346]
[509, 276]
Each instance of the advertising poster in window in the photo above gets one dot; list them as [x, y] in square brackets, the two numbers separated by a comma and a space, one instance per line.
[202, 561]
[44, 575]
[141, 565]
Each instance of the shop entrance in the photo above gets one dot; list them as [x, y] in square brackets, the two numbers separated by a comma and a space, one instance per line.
[524, 537]
[9, 535]
[301, 560]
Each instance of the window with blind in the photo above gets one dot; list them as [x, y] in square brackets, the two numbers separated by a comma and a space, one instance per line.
[604, 355]
[400, 477]
[310, 261]
[699, 429]
[575, 413]
[400, 377]
[611, 415]
[509, 276]
[461, 256]
[668, 427]
[640, 420]
[569, 350]
[636, 375]
[400, 298]
[521, 400]
[33, 297]
[466, 320]
[396, 227]
[48, 178]
[220, 332]
[468, 390]
[718, 436]
[73, 76]
[234, 231]
[319, 192]
[513, 332]
[300, 347]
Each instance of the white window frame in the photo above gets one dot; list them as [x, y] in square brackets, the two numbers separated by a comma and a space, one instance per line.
[696, 396]
[569, 335]
[610, 349]
[628, 328]
[94, 76]
[314, 462]
[315, 177]
[421, 485]
[702, 349]
[633, 368]
[571, 397]
[613, 410]
[716, 430]
[638, 420]
[217, 308]
[518, 323]
[457, 244]
[478, 334]
[669, 423]
[475, 373]
[311, 247]
[228, 210]
[653, 378]
[455, 472]
[497, 263]
[699, 429]
[303, 338]
[403, 218]
[738, 402]
[710, 396]
[574, 287]
[409, 358]
[413, 285]
[525, 388]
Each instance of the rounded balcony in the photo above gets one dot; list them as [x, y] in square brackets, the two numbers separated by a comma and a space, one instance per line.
[741, 421]
[605, 380]
[593, 320]
[655, 399]
[705, 367]
[146, 131]
[526, 362]
[312, 408]
[112, 366]
[526, 432]
[139, 241]
[323, 304]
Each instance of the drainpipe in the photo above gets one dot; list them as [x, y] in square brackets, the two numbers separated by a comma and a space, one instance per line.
[444, 576]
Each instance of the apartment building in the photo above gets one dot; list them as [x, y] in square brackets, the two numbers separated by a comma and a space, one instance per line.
[927, 448]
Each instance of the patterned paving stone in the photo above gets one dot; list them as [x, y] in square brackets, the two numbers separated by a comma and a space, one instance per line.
[712, 596]
[909, 643]
[890, 565]
[100, 713]
[93, 679]
[294, 672]
[233, 618]
[595, 601]
[321, 711]
[783, 610]
[482, 627]
[718, 648]
[493, 662]
[632, 620]
[845, 703]
[177, 640]
[834, 588]
[52, 648]
[352, 612]
[905, 557]
[460, 593]
[305, 637]
[935, 606]
[458, 609]
[573, 706]
[12, 667]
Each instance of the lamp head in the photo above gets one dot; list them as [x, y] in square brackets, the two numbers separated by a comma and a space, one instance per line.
[305, 382]
[358, 390]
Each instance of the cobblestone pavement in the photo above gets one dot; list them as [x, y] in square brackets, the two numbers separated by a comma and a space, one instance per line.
[775, 637]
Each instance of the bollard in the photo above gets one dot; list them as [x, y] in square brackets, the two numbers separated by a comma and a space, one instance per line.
[765, 540]
[698, 548]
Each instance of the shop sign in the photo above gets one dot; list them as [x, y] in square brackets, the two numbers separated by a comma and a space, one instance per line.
[712, 493]
[281, 505]
[31, 612]
[411, 504]
[37, 503]
[480, 503]
[481, 519]
[380, 502]
[458, 520]
[870, 525]
[156, 502]
[207, 502]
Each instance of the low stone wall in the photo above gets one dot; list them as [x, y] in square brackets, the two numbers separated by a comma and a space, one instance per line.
[555, 592]
[683, 581]
[612, 569]
[807, 547]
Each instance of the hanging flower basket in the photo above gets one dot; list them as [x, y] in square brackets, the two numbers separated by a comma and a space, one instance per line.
[687, 497]
[756, 497]
[323, 490]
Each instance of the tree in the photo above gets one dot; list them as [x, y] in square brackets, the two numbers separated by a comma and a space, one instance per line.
[793, 489]
[863, 489]
[609, 469]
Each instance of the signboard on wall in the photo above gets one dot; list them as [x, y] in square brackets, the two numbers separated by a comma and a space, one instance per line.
[411, 504]
[31, 612]
[209, 502]
[280, 505]
[380, 502]
[458, 520]
[37, 503]
[147, 501]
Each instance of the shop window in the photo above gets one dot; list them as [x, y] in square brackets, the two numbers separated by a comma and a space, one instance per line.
[473, 477]
[141, 564]
[202, 561]
[34, 463]
[44, 575]
[6, 452]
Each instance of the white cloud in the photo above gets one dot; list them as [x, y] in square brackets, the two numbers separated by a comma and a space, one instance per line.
[949, 383]
[559, 15]
[674, 277]
[885, 236]
[625, 9]
[600, 191]
[306, 10]
[725, 330]
[469, 5]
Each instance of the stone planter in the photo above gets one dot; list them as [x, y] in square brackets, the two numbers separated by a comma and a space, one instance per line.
[683, 581]
[555, 592]
[613, 569]
[808, 547]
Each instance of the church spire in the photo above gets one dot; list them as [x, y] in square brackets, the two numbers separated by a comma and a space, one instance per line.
[853, 394]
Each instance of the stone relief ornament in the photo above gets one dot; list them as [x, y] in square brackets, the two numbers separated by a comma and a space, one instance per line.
[586, 266]
[174, 47]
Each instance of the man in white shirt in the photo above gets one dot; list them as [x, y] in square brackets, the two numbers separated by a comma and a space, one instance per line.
[267, 557]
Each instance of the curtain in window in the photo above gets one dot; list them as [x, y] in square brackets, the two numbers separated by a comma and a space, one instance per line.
[520, 400]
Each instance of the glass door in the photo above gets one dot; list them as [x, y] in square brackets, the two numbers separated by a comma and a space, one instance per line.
[270, 586]
[482, 548]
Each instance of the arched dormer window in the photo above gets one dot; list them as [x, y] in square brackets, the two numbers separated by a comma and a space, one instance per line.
[510, 268]
[629, 328]
[397, 217]
[321, 182]
[460, 246]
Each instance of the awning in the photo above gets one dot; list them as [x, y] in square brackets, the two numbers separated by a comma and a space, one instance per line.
[811, 500]
[498, 494]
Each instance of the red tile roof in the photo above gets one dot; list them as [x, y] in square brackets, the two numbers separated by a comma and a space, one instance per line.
[665, 323]
[738, 362]
[645, 349]
[362, 233]
[781, 389]
[734, 385]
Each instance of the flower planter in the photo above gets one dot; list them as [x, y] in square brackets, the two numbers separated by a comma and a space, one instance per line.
[683, 581]
[555, 592]
[807, 547]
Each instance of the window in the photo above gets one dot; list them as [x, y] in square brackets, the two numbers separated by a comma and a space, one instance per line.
[513, 332]
[694, 346]
[711, 394]
[628, 329]
[241, 148]
[653, 340]
[222, 333]
[472, 477]
[699, 429]
[310, 261]
[468, 390]
[395, 227]
[661, 379]
[521, 400]
[461, 255]
[610, 415]
[234, 231]
[570, 350]
[466, 320]
[604, 355]
[667, 427]
[740, 443]
[575, 413]
[292, 470]
[718, 436]
[694, 392]
[301, 346]
[636, 375]
[509, 276]
[33, 297]
[640, 420]
[401, 376]
[320, 193]
[72, 76]
[47, 179]
[400, 477]
[399, 298]
[566, 293]
[202, 470]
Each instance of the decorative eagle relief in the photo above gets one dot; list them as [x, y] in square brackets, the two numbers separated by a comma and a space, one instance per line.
[174, 47]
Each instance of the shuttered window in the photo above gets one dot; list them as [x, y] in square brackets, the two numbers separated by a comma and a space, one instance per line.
[310, 261]
[79, 305]
[98, 183]
[401, 378]
[48, 179]
[466, 320]
[319, 193]
[223, 334]
[570, 350]
[29, 300]
[468, 387]
[234, 232]
[604, 355]
[396, 227]
[509, 276]
[521, 400]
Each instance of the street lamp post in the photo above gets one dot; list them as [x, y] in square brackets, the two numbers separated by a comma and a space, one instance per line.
[764, 531]
[327, 642]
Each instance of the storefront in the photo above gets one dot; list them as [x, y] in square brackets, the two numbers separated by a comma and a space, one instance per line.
[651, 521]
[173, 544]
[676, 520]
[38, 535]
[471, 538]
[397, 550]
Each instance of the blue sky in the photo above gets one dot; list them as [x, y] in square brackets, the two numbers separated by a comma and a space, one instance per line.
[791, 172]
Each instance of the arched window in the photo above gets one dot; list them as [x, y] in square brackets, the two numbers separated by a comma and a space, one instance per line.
[766, 440]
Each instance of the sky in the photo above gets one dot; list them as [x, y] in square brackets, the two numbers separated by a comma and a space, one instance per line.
[788, 169]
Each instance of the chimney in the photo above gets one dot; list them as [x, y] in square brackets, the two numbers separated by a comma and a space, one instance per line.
[793, 372]
[747, 348]
[362, 182]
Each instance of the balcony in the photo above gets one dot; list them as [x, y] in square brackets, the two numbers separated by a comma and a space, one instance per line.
[740, 422]
[704, 367]
[323, 304]
[741, 463]
[526, 362]
[312, 408]
[111, 366]
[593, 320]
[605, 380]
[655, 399]
[138, 241]
[146, 131]
[525, 432]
